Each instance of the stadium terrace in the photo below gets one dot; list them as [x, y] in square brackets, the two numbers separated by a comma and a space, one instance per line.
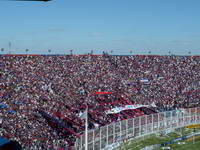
[43, 97]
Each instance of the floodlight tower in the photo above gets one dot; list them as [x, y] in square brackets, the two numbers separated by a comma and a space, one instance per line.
[9, 46]
[71, 52]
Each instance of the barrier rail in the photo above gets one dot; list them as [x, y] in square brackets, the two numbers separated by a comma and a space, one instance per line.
[116, 132]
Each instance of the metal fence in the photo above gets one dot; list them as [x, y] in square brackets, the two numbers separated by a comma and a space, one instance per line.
[116, 132]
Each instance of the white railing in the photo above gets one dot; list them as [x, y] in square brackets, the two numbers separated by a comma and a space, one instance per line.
[136, 127]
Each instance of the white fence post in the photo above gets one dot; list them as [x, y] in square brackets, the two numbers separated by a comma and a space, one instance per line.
[171, 124]
[107, 135]
[120, 129]
[152, 124]
[164, 120]
[127, 128]
[196, 114]
[139, 126]
[81, 143]
[133, 126]
[158, 121]
[145, 132]
[113, 132]
[93, 140]
[100, 138]
[191, 116]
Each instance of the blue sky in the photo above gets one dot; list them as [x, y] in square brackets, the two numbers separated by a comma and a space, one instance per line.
[119, 25]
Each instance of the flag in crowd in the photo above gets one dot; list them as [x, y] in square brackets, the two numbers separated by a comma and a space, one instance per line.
[3, 105]
[144, 81]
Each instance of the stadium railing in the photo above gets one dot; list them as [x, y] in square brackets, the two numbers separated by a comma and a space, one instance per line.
[113, 134]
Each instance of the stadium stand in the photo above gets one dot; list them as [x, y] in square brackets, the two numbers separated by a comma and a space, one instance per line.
[45, 95]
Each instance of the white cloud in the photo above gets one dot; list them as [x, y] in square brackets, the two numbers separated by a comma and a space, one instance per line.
[95, 34]
[56, 29]
[180, 42]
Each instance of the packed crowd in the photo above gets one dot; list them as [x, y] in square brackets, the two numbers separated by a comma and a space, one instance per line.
[62, 84]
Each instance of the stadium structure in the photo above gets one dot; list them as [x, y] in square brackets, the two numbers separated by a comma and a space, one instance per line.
[112, 135]
[93, 102]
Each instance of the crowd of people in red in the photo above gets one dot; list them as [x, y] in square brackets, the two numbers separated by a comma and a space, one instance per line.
[60, 86]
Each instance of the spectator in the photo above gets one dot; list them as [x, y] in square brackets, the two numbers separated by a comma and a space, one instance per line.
[62, 84]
